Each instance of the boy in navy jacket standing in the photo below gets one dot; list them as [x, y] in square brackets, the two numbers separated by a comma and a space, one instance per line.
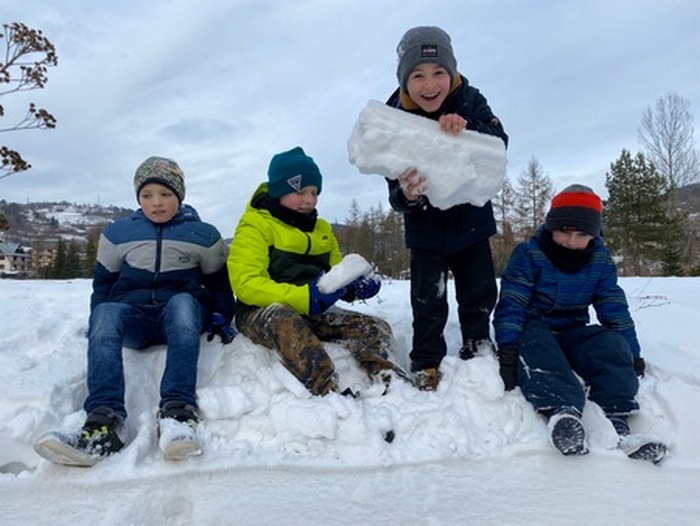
[443, 241]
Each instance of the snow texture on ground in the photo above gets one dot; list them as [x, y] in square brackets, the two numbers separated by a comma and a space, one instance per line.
[468, 453]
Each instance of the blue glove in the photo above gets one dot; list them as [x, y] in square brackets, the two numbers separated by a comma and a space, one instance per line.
[320, 302]
[365, 287]
[220, 327]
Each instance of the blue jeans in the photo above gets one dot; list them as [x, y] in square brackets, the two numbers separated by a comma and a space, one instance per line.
[177, 323]
[549, 365]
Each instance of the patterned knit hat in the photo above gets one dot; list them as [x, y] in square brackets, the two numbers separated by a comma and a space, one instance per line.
[424, 44]
[162, 171]
[576, 207]
[291, 171]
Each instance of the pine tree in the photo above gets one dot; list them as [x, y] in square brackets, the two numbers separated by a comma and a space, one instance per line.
[91, 244]
[636, 224]
[532, 199]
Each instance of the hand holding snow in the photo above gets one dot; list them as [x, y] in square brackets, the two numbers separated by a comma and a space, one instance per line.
[467, 168]
[348, 270]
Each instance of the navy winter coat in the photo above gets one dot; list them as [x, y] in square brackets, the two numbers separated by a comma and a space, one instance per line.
[141, 262]
[532, 288]
[449, 231]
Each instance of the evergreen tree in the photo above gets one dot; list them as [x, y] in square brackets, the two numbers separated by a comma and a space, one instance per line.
[673, 246]
[532, 199]
[74, 261]
[91, 244]
[636, 223]
[58, 267]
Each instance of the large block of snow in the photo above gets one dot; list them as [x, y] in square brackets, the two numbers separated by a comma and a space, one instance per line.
[467, 168]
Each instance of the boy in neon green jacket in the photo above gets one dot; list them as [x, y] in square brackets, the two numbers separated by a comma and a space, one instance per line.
[279, 251]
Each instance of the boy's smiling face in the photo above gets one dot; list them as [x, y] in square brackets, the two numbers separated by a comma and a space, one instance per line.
[428, 86]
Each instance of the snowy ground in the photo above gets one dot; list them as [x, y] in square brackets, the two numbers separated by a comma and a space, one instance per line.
[466, 454]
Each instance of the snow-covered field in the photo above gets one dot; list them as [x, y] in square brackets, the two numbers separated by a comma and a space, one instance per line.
[466, 454]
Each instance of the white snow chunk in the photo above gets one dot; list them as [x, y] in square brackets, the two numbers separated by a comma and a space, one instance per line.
[348, 270]
[467, 168]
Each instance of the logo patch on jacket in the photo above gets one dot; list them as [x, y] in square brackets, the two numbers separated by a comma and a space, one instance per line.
[295, 182]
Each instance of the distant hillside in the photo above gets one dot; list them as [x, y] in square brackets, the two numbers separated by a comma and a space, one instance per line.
[689, 198]
[31, 221]
[51, 220]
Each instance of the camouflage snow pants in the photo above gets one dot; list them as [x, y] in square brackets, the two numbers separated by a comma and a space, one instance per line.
[297, 339]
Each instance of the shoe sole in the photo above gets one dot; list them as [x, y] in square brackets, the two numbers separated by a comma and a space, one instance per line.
[182, 449]
[653, 452]
[56, 450]
[569, 436]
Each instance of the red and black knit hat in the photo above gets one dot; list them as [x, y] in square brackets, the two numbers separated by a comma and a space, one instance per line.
[577, 207]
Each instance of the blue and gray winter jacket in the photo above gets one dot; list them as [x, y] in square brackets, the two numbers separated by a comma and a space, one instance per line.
[532, 288]
[142, 262]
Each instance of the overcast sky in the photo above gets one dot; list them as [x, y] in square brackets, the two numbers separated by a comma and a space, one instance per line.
[221, 86]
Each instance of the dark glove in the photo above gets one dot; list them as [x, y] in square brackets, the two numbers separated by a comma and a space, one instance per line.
[639, 366]
[363, 288]
[220, 327]
[508, 366]
[320, 302]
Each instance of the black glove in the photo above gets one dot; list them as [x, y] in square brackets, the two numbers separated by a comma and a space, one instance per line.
[508, 366]
[220, 327]
[639, 366]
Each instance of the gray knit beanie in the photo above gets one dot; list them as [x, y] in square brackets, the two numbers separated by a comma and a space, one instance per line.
[424, 44]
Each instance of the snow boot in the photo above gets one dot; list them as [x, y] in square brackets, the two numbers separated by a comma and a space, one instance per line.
[427, 379]
[177, 430]
[471, 347]
[640, 447]
[102, 434]
[567, 434]
[635, 446]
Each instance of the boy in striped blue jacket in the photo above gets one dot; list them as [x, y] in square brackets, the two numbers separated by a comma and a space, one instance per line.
[160, 278]
[545, 339]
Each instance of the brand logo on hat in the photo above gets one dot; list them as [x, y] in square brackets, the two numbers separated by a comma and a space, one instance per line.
[428, 51]
[295, 182]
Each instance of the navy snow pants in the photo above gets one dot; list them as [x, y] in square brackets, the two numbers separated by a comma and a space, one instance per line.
[599, 356]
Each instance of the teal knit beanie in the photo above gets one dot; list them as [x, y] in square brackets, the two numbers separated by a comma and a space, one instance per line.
[292, 171]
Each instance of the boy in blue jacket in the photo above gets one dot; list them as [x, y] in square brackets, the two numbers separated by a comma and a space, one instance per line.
[545, 341]
[443, 241]
[160, 278]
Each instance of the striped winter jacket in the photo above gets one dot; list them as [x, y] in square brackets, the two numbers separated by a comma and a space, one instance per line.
[533, 288]
[273, 261]
[141, 262]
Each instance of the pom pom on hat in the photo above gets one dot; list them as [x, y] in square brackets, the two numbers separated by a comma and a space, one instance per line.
[162, 171]
[576, 207]
[424, 44]
[292, 171]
